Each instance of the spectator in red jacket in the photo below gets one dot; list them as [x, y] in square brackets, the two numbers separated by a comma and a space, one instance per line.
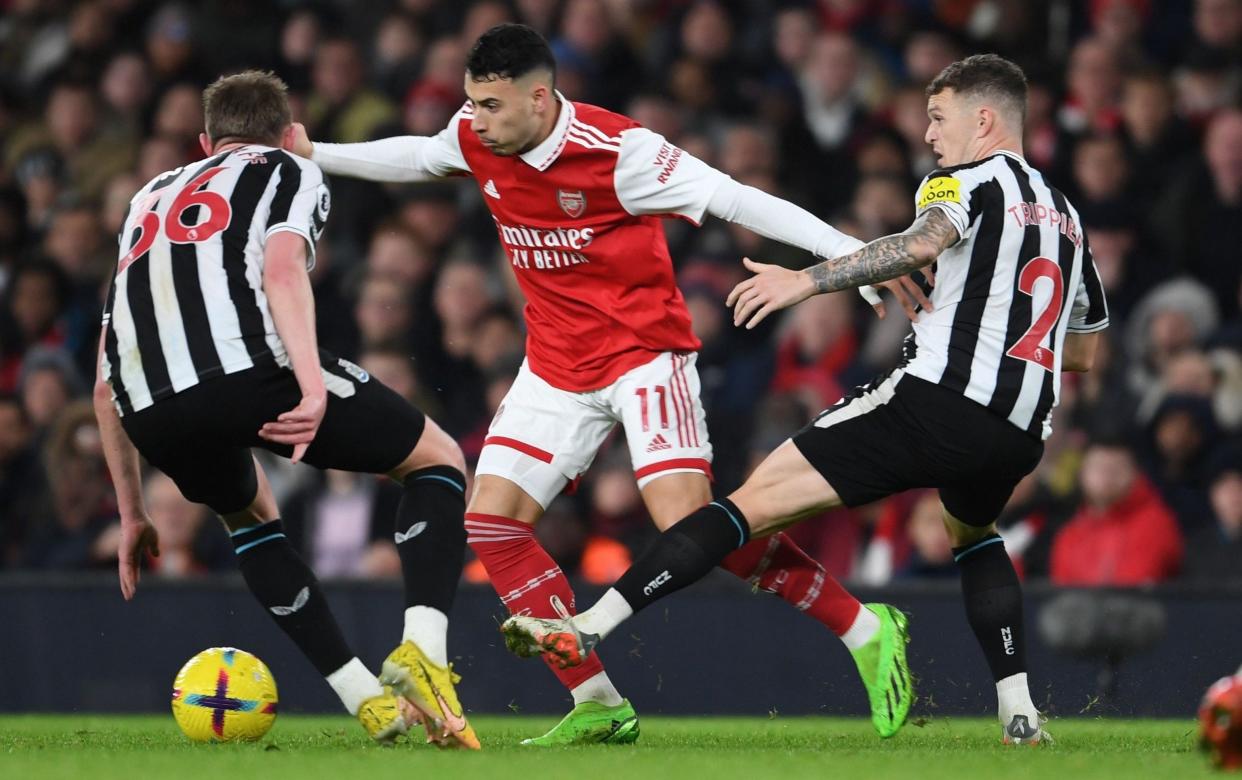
[1123, 534]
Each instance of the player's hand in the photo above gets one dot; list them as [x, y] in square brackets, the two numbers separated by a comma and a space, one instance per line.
[297, 426]
[907, 293]
[138, 536]
[297, 141]
[772, 288]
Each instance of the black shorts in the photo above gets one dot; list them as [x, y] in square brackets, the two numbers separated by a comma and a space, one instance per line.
[201, 437]
[904, 432]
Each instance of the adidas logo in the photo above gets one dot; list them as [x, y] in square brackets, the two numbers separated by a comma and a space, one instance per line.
[659, 443]
[490, 189]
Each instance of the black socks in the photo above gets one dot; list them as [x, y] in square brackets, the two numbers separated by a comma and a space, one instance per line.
[288, 590]
[684, 553]
[430, 533]
[993, 598]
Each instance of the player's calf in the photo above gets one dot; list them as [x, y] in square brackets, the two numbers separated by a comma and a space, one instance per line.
[290, 592]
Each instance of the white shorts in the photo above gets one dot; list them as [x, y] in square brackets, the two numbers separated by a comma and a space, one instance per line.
[544, 438]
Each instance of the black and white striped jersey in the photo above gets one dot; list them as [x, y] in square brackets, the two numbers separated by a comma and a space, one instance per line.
[1019, 278]
[187, 300]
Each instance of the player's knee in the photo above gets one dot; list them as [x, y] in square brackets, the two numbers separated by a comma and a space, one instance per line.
[434, 448]
[961, 533]
[757, 511]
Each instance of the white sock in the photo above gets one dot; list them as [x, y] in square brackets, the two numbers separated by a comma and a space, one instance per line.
[598, 688]
[427, 627]
[1014, 698]
[861, 631]
[605, 615]
[354, 683]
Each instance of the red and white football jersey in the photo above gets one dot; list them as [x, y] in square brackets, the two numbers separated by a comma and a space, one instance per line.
[577, 216]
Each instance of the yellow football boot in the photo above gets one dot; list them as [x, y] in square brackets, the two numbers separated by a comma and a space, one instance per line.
[387, 717]
[428, 687]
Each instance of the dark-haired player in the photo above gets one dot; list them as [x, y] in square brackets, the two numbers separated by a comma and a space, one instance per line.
[208, 349]
[1017, 300]
[576, 192]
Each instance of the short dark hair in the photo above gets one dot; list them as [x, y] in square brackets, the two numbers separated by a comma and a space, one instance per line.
[509, 51]
[988, 76]
[252, 106]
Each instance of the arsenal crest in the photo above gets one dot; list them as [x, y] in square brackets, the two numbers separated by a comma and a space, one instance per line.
[572, 203]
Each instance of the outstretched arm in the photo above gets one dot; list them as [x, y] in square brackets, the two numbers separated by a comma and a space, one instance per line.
[774, 288]
[406, 158]
[888, 257]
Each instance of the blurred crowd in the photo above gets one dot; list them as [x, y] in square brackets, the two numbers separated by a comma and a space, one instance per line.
[1134, 114]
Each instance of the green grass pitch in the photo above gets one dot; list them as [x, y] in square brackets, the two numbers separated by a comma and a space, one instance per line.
[303, 748]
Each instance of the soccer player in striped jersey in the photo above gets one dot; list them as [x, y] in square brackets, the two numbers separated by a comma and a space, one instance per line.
[576, 192]
[1016, 301]
[208, 349]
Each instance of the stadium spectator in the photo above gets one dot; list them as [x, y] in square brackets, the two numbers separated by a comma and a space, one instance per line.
[180, 524]
[831, 105]
[397, 47]
[383, 314]
[816, 357]
[1094, 82]
[1181, 433]
[1202, 213]
[48, 382]
[35, 300]
[298, 39]
[170, 46]
[81, 531]
[931, 554]
[1214, 552]
[1157, 140]
[342, 523]
[23, 489]
[126, 88]
[609, 70]
[1100, 173]
[71, 126]
[179, 117]
[1218, 26]
[341, 108]
[1123, 533]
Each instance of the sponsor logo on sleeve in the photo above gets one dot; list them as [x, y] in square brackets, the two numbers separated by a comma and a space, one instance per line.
[667, 160]
[942, 189]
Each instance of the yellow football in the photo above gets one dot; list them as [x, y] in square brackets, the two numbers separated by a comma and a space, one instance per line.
[224, 695]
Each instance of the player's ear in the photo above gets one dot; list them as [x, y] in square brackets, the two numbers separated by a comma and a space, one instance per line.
[985, 118]
[205, 143]
[288, 138]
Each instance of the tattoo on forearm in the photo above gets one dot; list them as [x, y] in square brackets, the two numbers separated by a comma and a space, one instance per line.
[888, 257]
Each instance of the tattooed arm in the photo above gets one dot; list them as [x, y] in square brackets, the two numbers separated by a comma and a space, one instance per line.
[888, 257]
[774, 288]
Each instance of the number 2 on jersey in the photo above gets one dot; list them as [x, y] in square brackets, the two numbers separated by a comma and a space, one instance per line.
[219, 214]
[1030, 346]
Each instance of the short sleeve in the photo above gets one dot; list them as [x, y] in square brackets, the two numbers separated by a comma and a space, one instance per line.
[1089, 312]
[950, 191]
[655, 177]
[301, 202]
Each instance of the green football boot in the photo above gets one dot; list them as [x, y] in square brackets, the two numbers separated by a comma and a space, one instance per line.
[882, 665]
[592, 723]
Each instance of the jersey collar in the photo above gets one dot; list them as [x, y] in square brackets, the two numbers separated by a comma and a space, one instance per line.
[550, 148]
[1014, 155]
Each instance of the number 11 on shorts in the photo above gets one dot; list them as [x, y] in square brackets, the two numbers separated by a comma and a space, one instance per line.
[643, 396]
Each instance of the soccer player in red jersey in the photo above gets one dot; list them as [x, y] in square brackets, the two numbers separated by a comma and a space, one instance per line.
[577, 192]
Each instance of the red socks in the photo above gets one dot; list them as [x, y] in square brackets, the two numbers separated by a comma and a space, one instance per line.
[525, 577]
[779, 566]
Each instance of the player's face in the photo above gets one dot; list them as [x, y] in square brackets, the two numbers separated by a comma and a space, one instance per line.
[951, 128]
[506, 112]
